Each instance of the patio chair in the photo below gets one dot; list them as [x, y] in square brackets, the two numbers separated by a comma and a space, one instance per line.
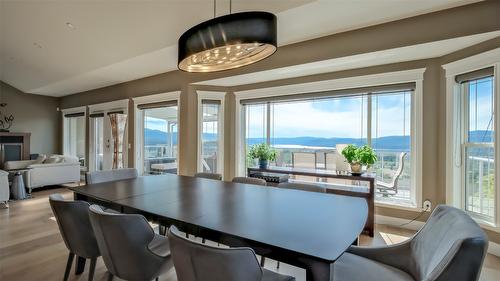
[391, 188]
[305, 160]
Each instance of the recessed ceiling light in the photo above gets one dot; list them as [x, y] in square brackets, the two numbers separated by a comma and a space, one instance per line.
[37, 45]
[70, 25]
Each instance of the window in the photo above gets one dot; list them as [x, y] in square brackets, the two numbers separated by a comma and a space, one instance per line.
[211, 136]
[478, 147]
[74, 135]
[308, 129]
[97, 126]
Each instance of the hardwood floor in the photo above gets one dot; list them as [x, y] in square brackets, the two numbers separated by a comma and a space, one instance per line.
[32, 249]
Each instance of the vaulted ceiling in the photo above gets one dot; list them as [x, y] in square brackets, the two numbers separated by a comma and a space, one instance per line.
[58, 48]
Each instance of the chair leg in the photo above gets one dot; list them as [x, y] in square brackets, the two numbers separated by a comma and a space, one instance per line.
[278, 265]
[187, 235]
[262, 261]
[110, 276]
[203, 240]
[71, 256]
[80, 265]
[157, 278]
[92, 268]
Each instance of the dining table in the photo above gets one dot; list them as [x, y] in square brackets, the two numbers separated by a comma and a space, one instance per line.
[304, 229]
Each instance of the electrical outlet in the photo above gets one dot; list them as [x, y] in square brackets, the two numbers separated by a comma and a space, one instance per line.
[427, 205]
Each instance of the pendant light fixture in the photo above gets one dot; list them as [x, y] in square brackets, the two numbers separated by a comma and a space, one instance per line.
[228, 42]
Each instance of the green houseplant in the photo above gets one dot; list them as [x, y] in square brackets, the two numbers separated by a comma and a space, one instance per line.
[358, 157]
[264, 153]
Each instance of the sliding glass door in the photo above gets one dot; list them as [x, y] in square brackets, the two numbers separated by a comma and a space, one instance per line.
[74, 136]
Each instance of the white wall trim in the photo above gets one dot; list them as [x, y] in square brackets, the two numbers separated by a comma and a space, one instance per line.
[413, 75]
[139, 123]
[211, 95]
[472, 63]
[454, 187]
[74, 110]
[175, 95]
[109, 106]
[494, 248]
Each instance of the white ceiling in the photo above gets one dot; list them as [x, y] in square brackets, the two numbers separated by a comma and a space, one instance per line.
[114, 41]
[415, 52]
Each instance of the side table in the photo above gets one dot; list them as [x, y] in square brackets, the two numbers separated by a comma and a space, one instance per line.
[17, 189]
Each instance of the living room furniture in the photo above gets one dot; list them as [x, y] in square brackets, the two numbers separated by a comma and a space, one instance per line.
[248, 180]
[303, 186]
[57, 169]
[198, 262]
[233, 214]
[130, 248]
[18, 189]
[110, 175]
[4, 189]
[392, 188]
[74, 225]
[350, 190]
[449, 247]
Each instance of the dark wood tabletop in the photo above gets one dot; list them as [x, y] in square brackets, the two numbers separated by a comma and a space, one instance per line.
[306, 229]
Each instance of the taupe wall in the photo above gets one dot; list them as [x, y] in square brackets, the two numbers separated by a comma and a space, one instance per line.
[462, 21]
[35, 114]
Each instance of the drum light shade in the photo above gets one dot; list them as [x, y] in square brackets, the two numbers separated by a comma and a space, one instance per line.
[228, 42]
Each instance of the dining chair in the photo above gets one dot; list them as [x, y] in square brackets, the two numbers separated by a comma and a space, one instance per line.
[110, 175]
[303, 186]
[391, 188]
[248, 180]
[194, 261]
[211, 176]
[130, 248]
[449, 247]
[74, 225]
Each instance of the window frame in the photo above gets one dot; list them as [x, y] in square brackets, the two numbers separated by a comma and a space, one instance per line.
[413, 75]
[455, 187]
[217, 96]
[65, 131]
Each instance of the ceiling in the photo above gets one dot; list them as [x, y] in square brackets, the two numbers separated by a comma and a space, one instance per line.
[113, 41]
[409, 53]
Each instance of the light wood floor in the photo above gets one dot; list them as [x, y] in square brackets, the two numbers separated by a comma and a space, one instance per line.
[32, 249]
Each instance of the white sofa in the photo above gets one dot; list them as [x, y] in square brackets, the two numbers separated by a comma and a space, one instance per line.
[64, 169]
[4, 188]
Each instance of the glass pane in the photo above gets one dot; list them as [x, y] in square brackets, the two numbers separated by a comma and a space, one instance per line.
[303, 132]
[210, 137]
[256, 131]
[481, 110]
[160, 140]
[391, 140]
[480, 181]
[75, 138]
[98, 142]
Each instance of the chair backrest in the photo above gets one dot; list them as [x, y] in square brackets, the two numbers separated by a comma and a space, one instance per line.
[110, 175]
[303, 186]
[123, 240]
[450, 247]
[305, 160]
[199, 262]
[211, 176]
[249, 180]
[73, 220]
[399, 171]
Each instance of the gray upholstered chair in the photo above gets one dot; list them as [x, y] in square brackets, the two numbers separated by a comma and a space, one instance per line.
[211, 176]
[450, 247]
[198, 262]
[130, 248]
[303, 186]
[110, 175]
[248, 180]
[73, 220]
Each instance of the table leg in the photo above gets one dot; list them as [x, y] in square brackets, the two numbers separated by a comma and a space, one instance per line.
[319, 272]
[80, 265]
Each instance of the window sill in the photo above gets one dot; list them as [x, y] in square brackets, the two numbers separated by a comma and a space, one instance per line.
[399, 206]
[487, 225]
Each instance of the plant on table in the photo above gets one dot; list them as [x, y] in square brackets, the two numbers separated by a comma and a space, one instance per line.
[264, 153]
[358, 157]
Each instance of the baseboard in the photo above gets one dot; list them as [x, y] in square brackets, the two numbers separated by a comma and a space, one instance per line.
[493, 248]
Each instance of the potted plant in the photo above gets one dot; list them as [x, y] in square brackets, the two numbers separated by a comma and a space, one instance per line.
[264, 153]
[358, 157]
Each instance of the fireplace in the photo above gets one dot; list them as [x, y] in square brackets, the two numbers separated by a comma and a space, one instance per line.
[14, 147]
